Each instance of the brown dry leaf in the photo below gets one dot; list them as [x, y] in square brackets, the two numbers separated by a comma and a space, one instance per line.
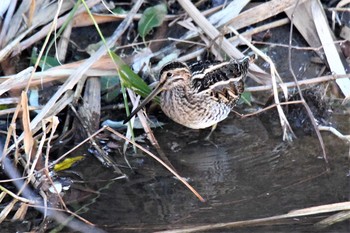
[103, 63]
[303, 21]
[58, 73]
[7, 210]
[31, 11]
[28, 136]
[21, 212]
[83, 19]
[261, 12]
[54, 122]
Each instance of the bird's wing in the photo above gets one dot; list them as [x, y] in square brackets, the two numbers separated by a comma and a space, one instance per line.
[223, 80]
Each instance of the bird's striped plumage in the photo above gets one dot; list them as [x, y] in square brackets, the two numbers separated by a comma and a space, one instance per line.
[201, 94]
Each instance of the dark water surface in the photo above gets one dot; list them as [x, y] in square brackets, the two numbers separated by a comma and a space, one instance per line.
[244, 173]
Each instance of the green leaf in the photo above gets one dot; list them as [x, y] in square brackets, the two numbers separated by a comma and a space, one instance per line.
[151, 17]
[118, 10]
[3, 106]
[46, 63]
[106, 84]
[130, 79]
[246, 97]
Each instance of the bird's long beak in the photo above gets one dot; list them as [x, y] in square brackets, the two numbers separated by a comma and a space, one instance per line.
[155, 92]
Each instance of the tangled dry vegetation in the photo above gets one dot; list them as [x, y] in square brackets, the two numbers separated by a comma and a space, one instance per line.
[56, 96]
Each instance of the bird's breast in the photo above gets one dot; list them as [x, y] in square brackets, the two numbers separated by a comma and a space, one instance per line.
[191, 109]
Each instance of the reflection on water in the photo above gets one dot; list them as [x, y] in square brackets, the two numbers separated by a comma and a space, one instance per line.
[244, 173]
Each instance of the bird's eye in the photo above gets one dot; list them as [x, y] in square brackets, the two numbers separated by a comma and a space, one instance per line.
[169, 74]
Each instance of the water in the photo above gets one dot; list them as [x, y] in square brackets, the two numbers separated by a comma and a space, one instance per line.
[244, 173]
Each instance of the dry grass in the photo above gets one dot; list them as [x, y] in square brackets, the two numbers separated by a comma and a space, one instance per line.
[215, 30]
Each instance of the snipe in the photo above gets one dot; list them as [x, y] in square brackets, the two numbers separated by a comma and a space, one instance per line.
[201, 94]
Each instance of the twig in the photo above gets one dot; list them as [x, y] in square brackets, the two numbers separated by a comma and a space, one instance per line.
[338, 9]
[78, 73]
[288, 133]
[102, 155]
[76, 147]
[6, 22]
[316, 49]
[53, 25]
[213, 33]
[10, 47]
[43, 32]
[267, 108]
[263, 221]
[161, 162]
[15, 196]
[262, 28]
[76, 225]
[334, 131]
[149, 133]
[299, 82]
[306, 106]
